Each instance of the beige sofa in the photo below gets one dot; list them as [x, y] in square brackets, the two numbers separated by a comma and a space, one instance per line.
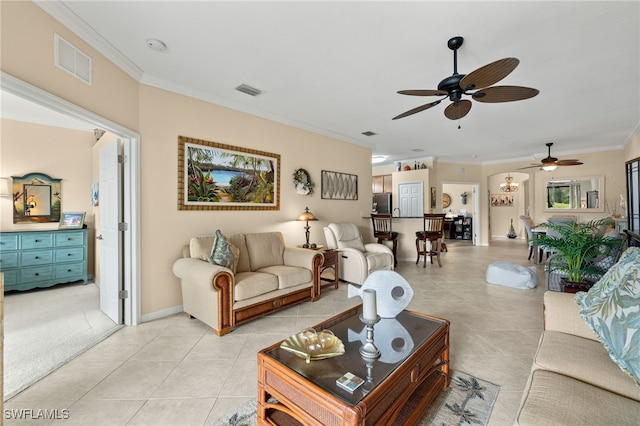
[268, 276]
[573, 380]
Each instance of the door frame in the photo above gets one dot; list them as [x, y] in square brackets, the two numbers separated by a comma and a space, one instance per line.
[477, 215]
[131, 180]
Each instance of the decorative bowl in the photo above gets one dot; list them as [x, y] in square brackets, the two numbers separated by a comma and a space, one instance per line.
[313, 346]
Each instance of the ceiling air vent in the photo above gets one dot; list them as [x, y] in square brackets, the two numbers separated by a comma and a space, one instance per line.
[72, 60]
[245, 88]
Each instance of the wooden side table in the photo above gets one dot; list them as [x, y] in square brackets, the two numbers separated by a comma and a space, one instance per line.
[330, 262]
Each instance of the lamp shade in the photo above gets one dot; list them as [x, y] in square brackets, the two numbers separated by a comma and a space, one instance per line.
[306, 215]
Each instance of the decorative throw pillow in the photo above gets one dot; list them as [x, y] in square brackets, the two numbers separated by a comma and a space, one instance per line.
[612, 309]
[222, 252]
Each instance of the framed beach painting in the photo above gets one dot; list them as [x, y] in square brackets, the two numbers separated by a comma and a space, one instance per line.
[214, 176]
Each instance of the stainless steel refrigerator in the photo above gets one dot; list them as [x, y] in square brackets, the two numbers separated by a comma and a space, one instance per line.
[382, 203]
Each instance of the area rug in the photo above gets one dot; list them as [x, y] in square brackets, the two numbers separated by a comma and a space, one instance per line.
[467, 401]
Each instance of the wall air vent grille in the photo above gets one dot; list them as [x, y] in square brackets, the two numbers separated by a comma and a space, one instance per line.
[70, 59]
[245, 88]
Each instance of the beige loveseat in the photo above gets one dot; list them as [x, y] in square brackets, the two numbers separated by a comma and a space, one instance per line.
[268, 276]
[573, 380]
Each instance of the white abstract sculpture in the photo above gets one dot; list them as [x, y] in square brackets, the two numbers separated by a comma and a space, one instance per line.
[393, 292]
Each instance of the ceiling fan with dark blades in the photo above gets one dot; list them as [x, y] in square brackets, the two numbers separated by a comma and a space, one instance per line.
[550, 163]
[478, 84]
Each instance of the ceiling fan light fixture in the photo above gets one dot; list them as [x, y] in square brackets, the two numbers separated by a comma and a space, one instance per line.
[549, 167]
[481, 81]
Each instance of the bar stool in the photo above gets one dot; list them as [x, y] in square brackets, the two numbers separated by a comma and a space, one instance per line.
[433, 233]
[382, 230]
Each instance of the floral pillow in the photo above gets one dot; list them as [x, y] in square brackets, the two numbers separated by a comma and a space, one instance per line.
[612, 309]
[223, 253]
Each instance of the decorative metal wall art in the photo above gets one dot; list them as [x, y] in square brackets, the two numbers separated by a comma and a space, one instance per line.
[339, 186]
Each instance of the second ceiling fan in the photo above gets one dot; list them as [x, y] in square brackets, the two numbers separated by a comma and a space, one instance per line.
[475, 84]
[550, 163]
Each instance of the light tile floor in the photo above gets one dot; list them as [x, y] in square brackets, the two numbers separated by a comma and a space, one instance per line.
[176, 371]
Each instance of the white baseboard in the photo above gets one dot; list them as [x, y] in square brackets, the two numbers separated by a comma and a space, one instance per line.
[161, 314]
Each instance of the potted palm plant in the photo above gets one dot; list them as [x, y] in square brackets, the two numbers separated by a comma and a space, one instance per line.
[582, 252]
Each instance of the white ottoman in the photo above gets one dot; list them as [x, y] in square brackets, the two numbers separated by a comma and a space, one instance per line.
[512, 275]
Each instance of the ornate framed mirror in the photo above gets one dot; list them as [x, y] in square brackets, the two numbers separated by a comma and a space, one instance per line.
[36, 198]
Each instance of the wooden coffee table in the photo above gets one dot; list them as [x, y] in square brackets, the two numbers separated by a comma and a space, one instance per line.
[412, 369]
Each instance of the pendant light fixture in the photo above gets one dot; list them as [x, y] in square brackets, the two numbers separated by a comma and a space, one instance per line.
[509, 185]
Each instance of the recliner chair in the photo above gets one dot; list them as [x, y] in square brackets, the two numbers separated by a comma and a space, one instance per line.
[357, 259]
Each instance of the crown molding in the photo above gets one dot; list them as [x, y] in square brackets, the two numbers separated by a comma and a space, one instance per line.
[226, 103]
[70, 20]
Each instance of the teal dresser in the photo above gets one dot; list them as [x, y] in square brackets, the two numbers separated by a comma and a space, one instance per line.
[43, 258]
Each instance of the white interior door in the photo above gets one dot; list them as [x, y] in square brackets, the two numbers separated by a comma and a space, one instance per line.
[411, 200]
[110, 238]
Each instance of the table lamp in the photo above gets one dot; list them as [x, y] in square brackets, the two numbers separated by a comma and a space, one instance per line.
[306, 216]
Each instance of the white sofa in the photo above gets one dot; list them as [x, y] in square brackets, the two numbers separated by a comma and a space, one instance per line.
[357, 259]
[267, 276]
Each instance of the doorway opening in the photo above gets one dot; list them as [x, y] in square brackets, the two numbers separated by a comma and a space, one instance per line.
[461, 204]
[506, 206]
[130, 251]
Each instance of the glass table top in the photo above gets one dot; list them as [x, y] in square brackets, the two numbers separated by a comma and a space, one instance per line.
[396, 338]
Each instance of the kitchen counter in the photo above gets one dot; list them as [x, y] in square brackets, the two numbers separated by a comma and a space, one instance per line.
[406, 227]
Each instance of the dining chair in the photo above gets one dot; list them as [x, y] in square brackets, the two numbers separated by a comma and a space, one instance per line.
[528, 226]
[433, 233]
[558, 221]
[383, 231]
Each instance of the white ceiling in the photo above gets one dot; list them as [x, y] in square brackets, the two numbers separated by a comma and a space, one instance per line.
[16, 108]
[334, 67]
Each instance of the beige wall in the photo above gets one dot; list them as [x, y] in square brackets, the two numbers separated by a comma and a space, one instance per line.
[454, 190]
[160, 117]
[60, 153]
[609, 164]
[501, 216]
[411, 176]
[27, 53]
[632, 150]
[164, 116]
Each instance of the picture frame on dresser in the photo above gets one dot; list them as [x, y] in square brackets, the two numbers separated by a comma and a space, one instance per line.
[71, 220]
